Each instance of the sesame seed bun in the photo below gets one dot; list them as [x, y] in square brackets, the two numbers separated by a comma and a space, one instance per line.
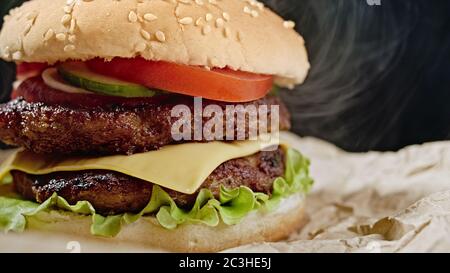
[242, 35]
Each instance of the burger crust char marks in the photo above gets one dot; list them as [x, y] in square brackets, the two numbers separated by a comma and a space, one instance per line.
[100, 80]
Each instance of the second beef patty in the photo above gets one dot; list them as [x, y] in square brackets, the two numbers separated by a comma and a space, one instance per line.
[114, 193]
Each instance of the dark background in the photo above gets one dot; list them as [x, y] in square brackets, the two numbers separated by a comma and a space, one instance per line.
[380, 77]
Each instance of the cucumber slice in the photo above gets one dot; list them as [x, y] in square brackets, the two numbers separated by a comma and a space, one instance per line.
[51, 77]
[78, 74]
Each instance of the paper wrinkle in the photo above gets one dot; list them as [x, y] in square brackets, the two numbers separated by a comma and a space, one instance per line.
[373, 202]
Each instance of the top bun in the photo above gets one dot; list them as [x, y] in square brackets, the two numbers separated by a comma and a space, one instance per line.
[239, 34]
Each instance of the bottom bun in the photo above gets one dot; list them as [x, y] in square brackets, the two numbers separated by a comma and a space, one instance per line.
[259, 226]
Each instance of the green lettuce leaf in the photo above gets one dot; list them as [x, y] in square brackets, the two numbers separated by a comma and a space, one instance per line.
[231, 206]
[6, 180]
[12, 213]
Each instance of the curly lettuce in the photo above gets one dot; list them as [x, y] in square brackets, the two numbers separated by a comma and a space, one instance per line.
[231, 206]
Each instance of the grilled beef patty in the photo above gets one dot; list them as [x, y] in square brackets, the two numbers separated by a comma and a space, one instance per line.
[114, 193]
[115, 129]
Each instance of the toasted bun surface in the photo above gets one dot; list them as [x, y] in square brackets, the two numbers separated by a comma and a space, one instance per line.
[242, 35]
[147, 233]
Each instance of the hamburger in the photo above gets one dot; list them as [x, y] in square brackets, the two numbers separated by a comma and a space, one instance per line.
[93, 117]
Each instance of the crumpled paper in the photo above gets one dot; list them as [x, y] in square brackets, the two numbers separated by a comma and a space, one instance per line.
[372, 202]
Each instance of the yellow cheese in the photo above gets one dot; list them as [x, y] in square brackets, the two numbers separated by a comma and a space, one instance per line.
[182, 167]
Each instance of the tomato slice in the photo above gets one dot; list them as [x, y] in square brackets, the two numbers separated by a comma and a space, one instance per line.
[14, 94]
[27, 70]
[216, 84]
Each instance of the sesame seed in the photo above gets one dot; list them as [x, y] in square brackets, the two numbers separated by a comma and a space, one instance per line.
[150, 17]
[27, 28]
[206, 29]
[6, 52]
[260, 6]
[67, 9]
[72, 38]
[186, 20]
[212, 2]
[289, 24]
[160, 36]
[61, 37]
[178, 11]
[73, 24]
[239, 36]
[145, 34]
[49, 34]
[31, 15]
[132, 17]
[226, 16]
[247, 10]
[199, 2]
[66, 19]
[72, 4]
[209, 17]
[199, 22]
[68, 48]
[220, 22]
[141, 47]
[17, 55]
[254, 13]
[227, 32]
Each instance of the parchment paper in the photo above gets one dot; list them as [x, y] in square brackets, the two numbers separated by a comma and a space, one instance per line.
[373, 202]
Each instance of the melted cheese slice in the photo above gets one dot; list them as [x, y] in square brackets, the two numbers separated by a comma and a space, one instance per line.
[182, 167]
